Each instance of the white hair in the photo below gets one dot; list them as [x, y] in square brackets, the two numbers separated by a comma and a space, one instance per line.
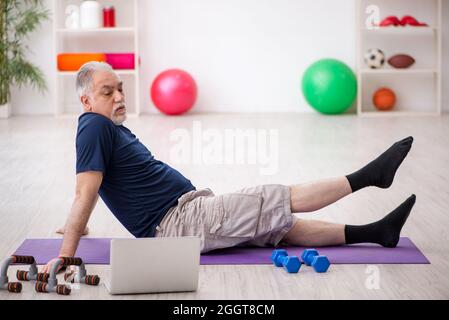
[85, 73]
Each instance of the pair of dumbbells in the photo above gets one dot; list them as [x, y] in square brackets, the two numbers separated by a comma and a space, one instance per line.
[292, 264]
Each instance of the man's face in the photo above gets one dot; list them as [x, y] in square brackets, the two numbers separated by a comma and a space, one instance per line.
[107, 97]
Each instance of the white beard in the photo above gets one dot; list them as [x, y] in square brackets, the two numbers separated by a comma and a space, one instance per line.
[119, 120]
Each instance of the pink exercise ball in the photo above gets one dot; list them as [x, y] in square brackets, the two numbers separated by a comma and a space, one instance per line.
[174, 92]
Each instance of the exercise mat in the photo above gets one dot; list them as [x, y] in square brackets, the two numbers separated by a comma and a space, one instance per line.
[97, 251]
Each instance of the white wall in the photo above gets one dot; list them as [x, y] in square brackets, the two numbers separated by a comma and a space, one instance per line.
[246, 55]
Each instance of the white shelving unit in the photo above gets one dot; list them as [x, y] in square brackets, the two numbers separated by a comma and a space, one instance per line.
[418, 88]
[121, 39]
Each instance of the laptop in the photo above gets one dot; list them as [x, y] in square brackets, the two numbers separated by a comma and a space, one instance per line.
[152, 265]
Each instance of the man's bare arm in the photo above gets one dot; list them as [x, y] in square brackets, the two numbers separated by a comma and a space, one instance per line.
[87, 186]
[86, 230]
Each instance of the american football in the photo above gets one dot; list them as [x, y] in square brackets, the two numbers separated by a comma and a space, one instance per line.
[401, 61]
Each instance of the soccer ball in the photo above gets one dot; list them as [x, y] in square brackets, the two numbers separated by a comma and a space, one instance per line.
[374, 58]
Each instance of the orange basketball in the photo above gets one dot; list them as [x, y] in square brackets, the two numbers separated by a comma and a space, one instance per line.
[384, 99]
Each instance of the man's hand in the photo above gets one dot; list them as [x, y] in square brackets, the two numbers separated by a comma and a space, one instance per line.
[49, 265]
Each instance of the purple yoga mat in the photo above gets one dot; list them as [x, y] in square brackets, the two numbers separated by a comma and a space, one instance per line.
[96, 251]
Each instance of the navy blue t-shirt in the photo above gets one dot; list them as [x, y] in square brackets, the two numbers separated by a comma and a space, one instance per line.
[136, 187]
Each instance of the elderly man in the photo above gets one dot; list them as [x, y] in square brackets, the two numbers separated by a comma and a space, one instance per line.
[151, 199]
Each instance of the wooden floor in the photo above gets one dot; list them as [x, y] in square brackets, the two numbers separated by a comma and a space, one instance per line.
[37, 160]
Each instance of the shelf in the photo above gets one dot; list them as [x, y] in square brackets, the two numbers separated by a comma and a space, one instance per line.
[418, 88]
[119, 72]
[97, 30]
[398, 71]
[401, 30]
[398, 113]
[120, 39]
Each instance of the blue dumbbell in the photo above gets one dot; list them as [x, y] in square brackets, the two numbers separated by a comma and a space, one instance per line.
[312, 258]
[280, 258]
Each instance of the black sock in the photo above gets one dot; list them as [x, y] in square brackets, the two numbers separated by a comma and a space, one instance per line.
[385, 232]
[380, 172]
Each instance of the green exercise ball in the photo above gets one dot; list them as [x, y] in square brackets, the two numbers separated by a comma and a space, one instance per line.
[329, 86]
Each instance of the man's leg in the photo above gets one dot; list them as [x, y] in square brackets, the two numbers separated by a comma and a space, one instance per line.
[379, 172]
[315, 195]
[311, 233]
[385, 232]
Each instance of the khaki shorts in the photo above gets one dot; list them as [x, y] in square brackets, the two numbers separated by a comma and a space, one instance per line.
[258, 216]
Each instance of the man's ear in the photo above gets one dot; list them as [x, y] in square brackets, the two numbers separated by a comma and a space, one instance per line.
[86, 103]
